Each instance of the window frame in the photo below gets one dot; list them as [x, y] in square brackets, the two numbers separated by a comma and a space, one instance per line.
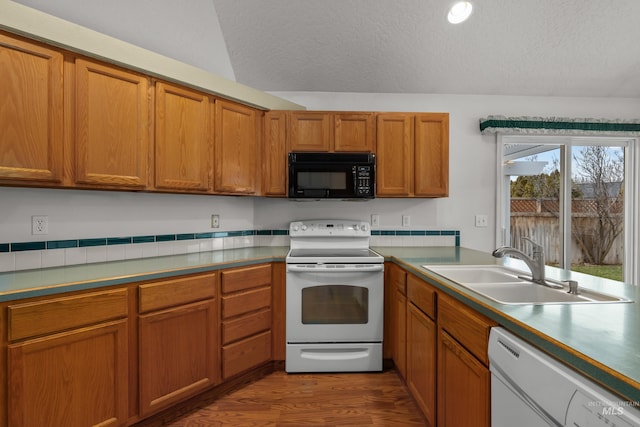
[565, 143]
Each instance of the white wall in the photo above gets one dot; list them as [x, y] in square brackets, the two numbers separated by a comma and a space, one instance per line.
[78, 214]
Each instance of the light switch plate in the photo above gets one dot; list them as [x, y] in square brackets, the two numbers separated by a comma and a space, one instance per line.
[482, 221]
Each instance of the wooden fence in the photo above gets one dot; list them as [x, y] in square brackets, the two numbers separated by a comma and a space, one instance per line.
[538, 220]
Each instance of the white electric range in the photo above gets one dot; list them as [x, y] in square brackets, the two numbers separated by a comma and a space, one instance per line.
[335, 298]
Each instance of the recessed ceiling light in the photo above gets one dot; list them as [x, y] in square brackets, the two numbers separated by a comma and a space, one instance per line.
[459, 12]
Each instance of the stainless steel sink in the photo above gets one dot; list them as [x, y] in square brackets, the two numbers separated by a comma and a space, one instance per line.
[508, 286]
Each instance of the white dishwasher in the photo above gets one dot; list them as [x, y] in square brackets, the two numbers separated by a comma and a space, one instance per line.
[529, 389]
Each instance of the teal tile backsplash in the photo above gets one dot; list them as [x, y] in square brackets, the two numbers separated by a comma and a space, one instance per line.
[27, 255]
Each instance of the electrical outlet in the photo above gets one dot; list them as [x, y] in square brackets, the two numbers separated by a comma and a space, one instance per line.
[39, 224]
[375, 221]
[482, 221]
[406, 220]
[215, 221]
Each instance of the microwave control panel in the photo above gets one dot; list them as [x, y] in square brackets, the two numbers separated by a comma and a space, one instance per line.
[363, 180]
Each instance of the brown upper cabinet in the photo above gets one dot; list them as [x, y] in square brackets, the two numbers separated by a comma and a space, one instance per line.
[76, 122]
[237, 148]
[354, 132]
[412, 155]
[310, 131]
[331, 131]
[183, 138]
[111, 127]
[31, 122]
[274, 180]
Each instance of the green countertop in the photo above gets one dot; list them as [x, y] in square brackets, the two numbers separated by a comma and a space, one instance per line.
[48, 281]
[600, 340]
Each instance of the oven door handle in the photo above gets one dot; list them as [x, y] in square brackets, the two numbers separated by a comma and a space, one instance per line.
[334, 268]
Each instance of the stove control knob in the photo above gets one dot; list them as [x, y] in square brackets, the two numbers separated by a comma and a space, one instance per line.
[364, 227]
[295, 228]
[304, 227]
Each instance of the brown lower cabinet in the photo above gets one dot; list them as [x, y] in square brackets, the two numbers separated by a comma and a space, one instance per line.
[421, 348]
[246, 318]
[72, 359]
[177, 340]
[114, 356]
[446, 359]
[398, 320]
[421, 361]
[67, 361]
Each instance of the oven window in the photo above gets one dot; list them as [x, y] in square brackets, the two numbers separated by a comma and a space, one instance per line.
[335, 304]
[322, 180]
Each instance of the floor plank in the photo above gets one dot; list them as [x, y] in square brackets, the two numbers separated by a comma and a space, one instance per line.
[281, 399]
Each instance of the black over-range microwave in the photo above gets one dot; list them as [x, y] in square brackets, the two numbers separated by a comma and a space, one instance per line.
[332, 175]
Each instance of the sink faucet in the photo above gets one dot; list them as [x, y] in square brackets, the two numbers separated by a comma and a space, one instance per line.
[535, 262]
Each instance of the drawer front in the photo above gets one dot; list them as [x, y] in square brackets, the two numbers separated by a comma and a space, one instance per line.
[170, 293]
[242, 327]
[398, 278]
[245, 278]
[468, 327]
[422, 295]
[59, 314]
[245, 302]
[245, 354]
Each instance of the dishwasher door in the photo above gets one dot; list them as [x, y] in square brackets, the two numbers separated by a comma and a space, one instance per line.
[530, 389]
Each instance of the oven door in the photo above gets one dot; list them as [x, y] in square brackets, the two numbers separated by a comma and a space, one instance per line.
[339, 303]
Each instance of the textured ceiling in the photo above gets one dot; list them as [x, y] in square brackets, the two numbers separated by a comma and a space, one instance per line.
[507, 47]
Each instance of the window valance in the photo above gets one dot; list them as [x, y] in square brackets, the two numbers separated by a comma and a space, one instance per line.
[559, 126]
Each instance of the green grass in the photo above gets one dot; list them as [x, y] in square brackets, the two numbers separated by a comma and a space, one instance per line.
[607, 271]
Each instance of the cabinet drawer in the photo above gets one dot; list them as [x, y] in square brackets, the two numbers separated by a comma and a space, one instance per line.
[246, 354]
[468, 327]
[245, 278]
[245, 302]
[169, 293]
[422, 295]
[398, 278]
[242, 327]
[59, 314]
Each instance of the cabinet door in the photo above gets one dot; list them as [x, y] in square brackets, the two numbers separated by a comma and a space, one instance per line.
[112, 126]
[177, 354]
[354, 132]
[421, 361]
[236, 155]
[400, 332]
[463, 386]
[183, 138]
[31, 116]
[76, 378]
[310, 131]
[394, 163]
[275, 154]
[431, 155]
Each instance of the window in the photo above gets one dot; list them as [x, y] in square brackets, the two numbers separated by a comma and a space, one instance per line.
[576, 196]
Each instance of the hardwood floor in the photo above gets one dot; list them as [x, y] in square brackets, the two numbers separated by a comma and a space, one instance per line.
[281, 399]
